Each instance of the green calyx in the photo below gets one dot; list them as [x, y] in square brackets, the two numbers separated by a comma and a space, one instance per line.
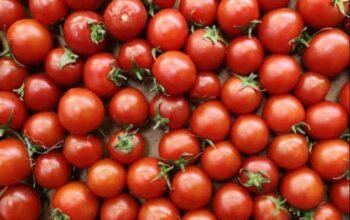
[116, 75]
[299, 128]
[165, 169]
[20, 91]
[158, 119]
[256, 179]
[156, 51]
[157, 87]
[212, 34]
[279, 204]
[98, 31]
[68, 57]
[6, 53]
[301, 42]
[139, 72]
[248, 29]
[5, 127]
[56, 214]
[125, 143]
[249, 81]
[206, 142]
[340, 4]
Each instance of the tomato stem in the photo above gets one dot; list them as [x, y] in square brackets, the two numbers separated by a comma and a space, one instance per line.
[212, 34]
[125, 143]
[255, 179]
[57, 214]
[20, 91]
[98, 31]
[68, 57]
[156, 51]
[279, 204]
[340, 5]
[116, 76]
[139, 72]
[158, 119]
[248, 29]
[249, 81]
[4, 128]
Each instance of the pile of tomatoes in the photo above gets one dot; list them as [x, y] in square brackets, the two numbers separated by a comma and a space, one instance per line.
[237, 89]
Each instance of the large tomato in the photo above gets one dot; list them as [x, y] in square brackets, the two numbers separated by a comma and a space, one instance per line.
[48, 12]
[12, 106]
[10, 12]
[199, 214]
[84, 4]
[339, 195]
[11, 74]
[344, 96]
[199, 12]
[327, 211]
[160, 209]
[207, 86]
[270, 207]
[122, 207]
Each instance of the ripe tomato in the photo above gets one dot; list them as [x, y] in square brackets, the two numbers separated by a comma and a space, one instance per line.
[222, 161]
[302, 188]
[269, 5]
[244, 55]
[120, 207]
[129, 106]
[289, 151]
[80, 111]
[200, 12]
[281, 121]
[84, 32]
[167, 30]
[270, 207]
[199, 214]
[326, 120]
[339, 195]
[37, 39]
[82, 150]
[13, 156]
[160, 209]
[125, 19]
[75, 201]
[11, 74]
[10, 12]
[207, 86]
[250, 134]
[17, 200]
[175, 71]
[63, 66]
[344, 96]
[211, 120]
[52, 170]
[332, 61]
[84, 4]
[232, 201]
[164, 3]
[48, 12]
[327, 211]
[311, 88]
[10, 104]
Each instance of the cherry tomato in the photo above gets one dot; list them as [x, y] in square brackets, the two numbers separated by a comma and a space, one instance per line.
[344, 96]
[119, 207]
[10, 12]
[164, 3]
[84, 4]
[269, 5]
[270, 207]
[10, 104]
[200, 12]
[327, 211]
[207, 86]
[199, 214]
[48, 12]
[160, 209]
[11, 74]
[339, 195]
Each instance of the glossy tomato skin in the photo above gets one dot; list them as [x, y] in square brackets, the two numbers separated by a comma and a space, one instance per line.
[211, 120]
[344, 96]
[160, 209]
[222, 161]
[327, 211]
[207, 86]
[326, 120]
[199, 214]
[244, 55]
[37, 40]
[167, 30]
[14, 156]
[269, 5]
[199, 12]
[83, 150]
[11, 74]
[10, 12]
[328, 62]
[84, 4]
[265, 206]
[311, 88]
[175, 71]
[76, 201]
[281, 121]
[250, 134]
[232, 201]
[52, 170]
[119, 207]
[191, 189]
[279, 73]
[48, 12]
[164, 3]
[80, 111]
[11, 104]
[302, 188]
[129, 106]
[19, 199]
[339, 195]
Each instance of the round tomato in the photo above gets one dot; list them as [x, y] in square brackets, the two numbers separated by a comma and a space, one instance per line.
[164, 3]
[160, 209]
[269, 5]
[120, 207]
[344, 96]
[200, 12]
[11, 74]
[326, 211]
[339, 195]
[84, 4]
[10, 12]
[199, 214]
[12, 106]
[207, 86]
[270, 207]
[48, 12]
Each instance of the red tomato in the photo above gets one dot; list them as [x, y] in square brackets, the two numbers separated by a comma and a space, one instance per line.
[167, 30]
[281, 121]
[302, 188]
[207, 86]
[160, 209]
[250, 134]
[164, 3]
[270, 207]
[200, 12]
[80, 111]
[10, 12]
[327, 211]
[13, 156]
[10, 104]
[339, 195]
[199, 214]
[344, 96]
[222, 161]
[330, 61]
[11, 74]
[37, 39]
[244, 55]
[120, 207]
[48, 12]
[326, 120]
[84, 4]
[269, 5]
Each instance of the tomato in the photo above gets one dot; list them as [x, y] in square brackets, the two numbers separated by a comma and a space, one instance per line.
[75, 201]
[63, 66]
[126, 19]
[159, 209]
[339, 195]
[269, 5]
[232, 201]
[270, 207]
[236, 14]
[41, 93]
[199, 214]
[164, 3]
[211, 120]
[250, 134]
[344, 96]
[222, 161]
[84, 4]
[37, 39]
[129, 106]
[302, 188]
[191, 189]
[84, 32]
[119, 207]
[289, 151]
[17, 200]
[328, 62]
[281, 121]
[101, 74]
[312, 88]
[167, 30]
[10, 12]
[326, 120]
[83, 150]
[207, 86]
[279, 73]
[10, 104]
[52, 170]
[175, 71]
[241, 95]
[244, 55]
[200, 12]
[169, 111]
[177, 143]
[13, 156]
[48, 12]
[327, 211]
[11, 74]
[80, 111]
[206, 48]
[346, 25]
[279, 28]
[145, 180]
